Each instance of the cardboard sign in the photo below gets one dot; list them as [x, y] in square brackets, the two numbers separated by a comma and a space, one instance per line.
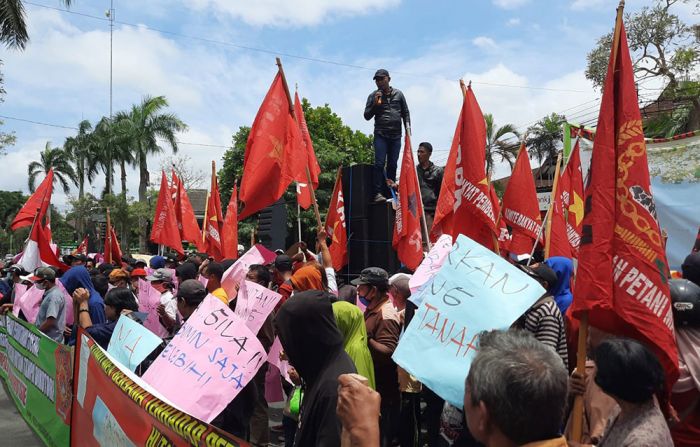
[254, 303]
[211, 358]
[28, 303]
[475, 290]
[149, 300]
[131, 343]
[235, 274]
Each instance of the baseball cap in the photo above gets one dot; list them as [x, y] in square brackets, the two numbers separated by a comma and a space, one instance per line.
[138, 273]
[43, 273]
[541, 273]
[16, 268]
[191, 289]
[381, 73]
[283, 263]
[373, 276]
[161, 275]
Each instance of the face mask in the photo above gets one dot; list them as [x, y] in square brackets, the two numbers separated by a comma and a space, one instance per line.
[363, 300]
[40, 286]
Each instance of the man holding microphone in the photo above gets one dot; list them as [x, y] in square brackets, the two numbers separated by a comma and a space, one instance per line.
[388, 107]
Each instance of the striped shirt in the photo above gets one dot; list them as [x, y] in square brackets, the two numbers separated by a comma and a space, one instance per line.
[545, 321]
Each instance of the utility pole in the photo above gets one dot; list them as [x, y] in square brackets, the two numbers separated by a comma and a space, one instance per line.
[110, 16]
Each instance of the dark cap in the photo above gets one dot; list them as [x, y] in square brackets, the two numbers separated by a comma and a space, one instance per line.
[541, 273]
[381, 73]
[43, 273]
[171, 257]
[373, 276]
[16, 268]
[191, 290]
[283, 263]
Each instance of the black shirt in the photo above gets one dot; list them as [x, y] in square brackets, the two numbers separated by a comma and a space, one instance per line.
[388, 115]
[430, 180]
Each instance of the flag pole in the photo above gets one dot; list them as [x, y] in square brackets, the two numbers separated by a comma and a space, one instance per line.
[577, 416]
[204, 222]
[552, 201]
[308, 173]
[108, 240]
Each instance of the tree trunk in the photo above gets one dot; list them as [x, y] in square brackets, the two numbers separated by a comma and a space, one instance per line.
[81, 177]
[123, 169]
[143, 185]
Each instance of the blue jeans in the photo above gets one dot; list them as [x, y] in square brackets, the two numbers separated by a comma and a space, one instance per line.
[386, 151]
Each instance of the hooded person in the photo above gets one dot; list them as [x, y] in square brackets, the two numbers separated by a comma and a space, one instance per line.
[314, 346]
[78, 278]
[351, 323]
[561, 290]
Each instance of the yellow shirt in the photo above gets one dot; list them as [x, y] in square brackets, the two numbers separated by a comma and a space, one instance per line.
[555, 442]
[221, 294]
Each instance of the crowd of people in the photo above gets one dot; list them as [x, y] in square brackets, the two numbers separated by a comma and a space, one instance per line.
[339, 343]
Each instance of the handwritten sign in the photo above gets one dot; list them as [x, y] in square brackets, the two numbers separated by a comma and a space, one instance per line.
[235, 274]
[28, 303]
[430, 265]
[475, 290]
[131, 343]
[212, 357]
[254, 303]
[149, 300]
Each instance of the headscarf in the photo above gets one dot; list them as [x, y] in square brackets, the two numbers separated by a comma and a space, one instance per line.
[561, 291]
[351, 322]
[78, 277]
[307, 278]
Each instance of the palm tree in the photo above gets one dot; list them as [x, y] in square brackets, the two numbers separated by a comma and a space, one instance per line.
[141, 128]
[496, 144]
[101, 141]
[55, 158]
[13, 28]
[544, 137]
[81, 148]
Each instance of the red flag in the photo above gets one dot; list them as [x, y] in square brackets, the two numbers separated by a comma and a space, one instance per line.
[521, 209]
[621, 279]
[116, 249]
[213, 220]
[303, 192]
[47, 232]
[465, 187]
[38, 251]
[165, 231]
[335, 225]
[274, 154]
[572, 197]
[174, 184]
[82, 249]
[38, 201]
[503, 233]
[230, 227]
[184, 215]
[557, 243]
[408, 239]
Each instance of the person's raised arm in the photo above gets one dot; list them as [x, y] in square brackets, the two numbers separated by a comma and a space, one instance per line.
[81, 297]
[326, 259]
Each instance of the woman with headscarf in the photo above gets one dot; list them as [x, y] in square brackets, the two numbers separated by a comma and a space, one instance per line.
[314, 346]
[351, 322]
[308, 277]
[78, 278]
[561, 291]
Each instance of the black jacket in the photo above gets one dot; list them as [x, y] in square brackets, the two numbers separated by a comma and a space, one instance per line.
[389, 115]
[430, 181]
[314, 346]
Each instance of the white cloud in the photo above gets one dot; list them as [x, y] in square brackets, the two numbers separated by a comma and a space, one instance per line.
[485, 43]
[510, 4]
[292, 13]
[513, 21]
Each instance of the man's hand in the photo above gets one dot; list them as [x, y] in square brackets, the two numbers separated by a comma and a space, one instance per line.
[81, 296]
[165, 319]
[5, 308]
[67, 332]
[358, 410]
[377, 97]
[577, 383]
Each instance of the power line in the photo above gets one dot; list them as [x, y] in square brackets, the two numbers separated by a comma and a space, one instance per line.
[290, 55]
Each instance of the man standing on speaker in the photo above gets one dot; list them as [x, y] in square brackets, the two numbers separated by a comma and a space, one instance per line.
[388, 107]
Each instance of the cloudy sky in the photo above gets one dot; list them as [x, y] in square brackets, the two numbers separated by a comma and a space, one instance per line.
[215, 59]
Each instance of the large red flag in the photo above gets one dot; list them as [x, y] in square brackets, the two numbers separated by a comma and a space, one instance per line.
[521, 210]
[115, 247]
[274, 155]
[408, 239]
[465, 188]
[174, 184]
[572, 198]
[38, 251]
[303, 192]
[184, 215]
[557, 240]
[165, 231]
[335, 225]
[230, 227]
[214, 220]
[36, 205]
[621, 279]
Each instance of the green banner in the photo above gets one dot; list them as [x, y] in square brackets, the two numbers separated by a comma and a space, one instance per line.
[38, 372]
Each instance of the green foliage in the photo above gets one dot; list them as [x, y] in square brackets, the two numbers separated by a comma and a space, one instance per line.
[10, 204]
[55, 158]
[496, 144]
[13, 26]
[544, 137]
[335, 145]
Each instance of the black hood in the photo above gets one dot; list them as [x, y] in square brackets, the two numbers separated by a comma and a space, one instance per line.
[307, 330]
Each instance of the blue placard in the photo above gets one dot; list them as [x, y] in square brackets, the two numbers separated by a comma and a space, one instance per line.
[475, 290]
[131, 342]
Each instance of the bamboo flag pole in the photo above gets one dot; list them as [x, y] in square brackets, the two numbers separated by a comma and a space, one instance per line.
[577, 416]
[308, 173]
[204, 222]
[552, 201]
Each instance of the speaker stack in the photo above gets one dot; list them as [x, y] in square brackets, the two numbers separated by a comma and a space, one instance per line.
[272, 226]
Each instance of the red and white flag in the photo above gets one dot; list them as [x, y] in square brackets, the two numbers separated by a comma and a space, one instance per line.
[35, 208]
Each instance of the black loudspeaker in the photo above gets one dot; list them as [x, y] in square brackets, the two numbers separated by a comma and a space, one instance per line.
[381, 232]
[358, 246]
[357, 191]
[272, 226]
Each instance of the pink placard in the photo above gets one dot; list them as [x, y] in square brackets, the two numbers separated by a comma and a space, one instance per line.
[273, 358]
[20, 289]
[254, 303]
[149, 300]
[211, 358]
[69, 304]
[235, 274]
[431, 263]
[29, 304]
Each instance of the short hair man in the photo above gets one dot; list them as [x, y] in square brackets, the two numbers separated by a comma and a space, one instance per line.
[51, 319]
[387, 105]
[430, 181]
[530, 409]
[215, 273]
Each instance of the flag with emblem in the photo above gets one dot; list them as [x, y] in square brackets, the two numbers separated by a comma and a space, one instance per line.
[213, 220]
[184, 215]
[335, 225]
[274, 154]
[408, 239]
[572, 198]
[165, 231]
[621, 279]
[303, 188]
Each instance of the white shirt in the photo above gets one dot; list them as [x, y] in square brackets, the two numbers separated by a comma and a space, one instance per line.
[168, 300]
